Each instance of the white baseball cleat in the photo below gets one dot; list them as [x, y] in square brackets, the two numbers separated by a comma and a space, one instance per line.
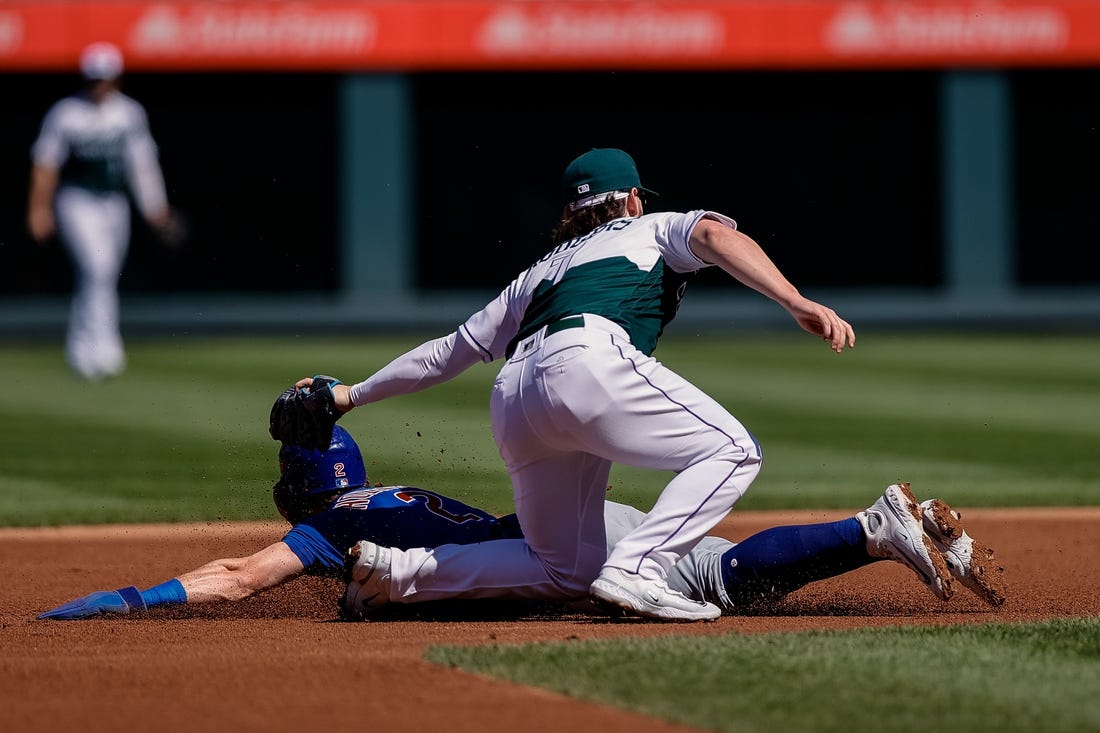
[651, 598]
[368, 580]
[970, 562]
[894, 530]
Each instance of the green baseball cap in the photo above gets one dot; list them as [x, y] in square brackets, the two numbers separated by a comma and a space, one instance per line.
[598, 171]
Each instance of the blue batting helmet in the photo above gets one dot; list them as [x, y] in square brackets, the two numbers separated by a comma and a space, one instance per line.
[309, 477]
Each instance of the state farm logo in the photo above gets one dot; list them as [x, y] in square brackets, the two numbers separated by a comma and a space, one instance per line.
[209, 30]
[11, 32]
[962, 28]
[561, 31]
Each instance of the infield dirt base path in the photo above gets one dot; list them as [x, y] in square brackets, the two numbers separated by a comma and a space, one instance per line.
[280, 662]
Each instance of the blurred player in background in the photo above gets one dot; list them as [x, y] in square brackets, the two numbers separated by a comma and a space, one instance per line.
[326, 496]
[93, 149]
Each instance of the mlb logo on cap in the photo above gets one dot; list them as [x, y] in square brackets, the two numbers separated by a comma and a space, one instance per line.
[600, 170]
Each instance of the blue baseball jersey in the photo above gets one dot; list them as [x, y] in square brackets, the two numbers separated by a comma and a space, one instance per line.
[391, 516]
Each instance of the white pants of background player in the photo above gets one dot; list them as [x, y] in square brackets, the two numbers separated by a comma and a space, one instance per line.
[563, 408]
[95, 228]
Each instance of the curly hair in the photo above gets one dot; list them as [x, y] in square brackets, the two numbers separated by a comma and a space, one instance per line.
[580, 222]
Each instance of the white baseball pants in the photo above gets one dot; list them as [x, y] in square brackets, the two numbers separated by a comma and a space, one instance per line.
[95, 228]
[564, 408]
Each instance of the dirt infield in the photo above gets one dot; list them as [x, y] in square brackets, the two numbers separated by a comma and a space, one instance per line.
[279, 662]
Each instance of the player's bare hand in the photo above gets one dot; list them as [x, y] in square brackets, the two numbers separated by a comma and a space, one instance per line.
[170, 228]
[824, 322]
[342, 394]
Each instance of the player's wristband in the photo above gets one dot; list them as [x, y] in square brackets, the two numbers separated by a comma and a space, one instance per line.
[170, 591]
[131, 596]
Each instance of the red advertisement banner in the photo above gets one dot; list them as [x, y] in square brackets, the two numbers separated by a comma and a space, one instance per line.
[524, 34]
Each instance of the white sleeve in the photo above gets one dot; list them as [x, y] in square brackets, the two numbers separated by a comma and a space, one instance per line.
[429, 364]
[674, 237]
[51, 149]
[143, 168]
[483, 337]
[490, 330]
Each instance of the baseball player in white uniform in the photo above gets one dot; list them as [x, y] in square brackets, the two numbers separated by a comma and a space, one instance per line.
[92, 147]
[579, 390]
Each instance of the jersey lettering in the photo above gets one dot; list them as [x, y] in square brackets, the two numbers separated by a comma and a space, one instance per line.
[557, 269]
[434, 504]
[612, 226]
[358, 499]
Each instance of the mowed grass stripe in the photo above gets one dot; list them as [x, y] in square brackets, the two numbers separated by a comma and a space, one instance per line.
[985, 420]
[1011, 678]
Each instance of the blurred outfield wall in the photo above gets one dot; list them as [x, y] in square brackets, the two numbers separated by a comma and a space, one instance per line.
[932, 193]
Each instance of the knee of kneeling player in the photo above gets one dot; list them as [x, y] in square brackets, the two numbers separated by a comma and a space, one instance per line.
[575, 582]
[753, 456]
[745, 460]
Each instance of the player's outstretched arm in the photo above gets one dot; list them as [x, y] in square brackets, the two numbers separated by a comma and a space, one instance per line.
[235, 579]
[219, 580]
[429, 364]
[743, 259]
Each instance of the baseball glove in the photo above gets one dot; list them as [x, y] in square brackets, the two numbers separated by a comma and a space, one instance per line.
[305, 416]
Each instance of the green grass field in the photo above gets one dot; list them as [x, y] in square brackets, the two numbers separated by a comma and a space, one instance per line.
[979, 420]
[1009, 678]
[982, 420]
